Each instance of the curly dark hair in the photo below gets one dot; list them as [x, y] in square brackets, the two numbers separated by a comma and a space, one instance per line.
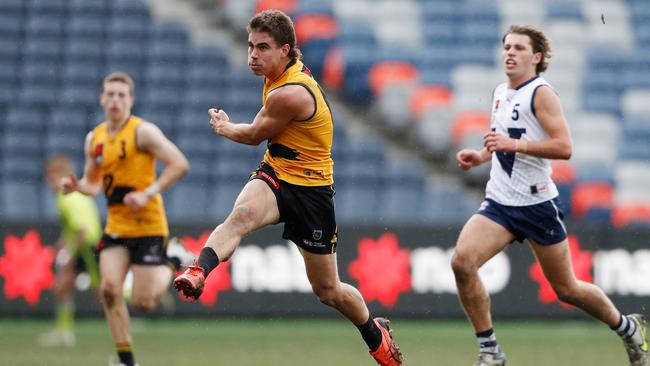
[279, 26]
[538, 40]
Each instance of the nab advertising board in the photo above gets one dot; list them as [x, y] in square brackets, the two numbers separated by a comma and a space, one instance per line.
[401, 271]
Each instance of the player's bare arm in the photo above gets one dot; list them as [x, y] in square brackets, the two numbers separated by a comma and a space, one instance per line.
[151, 139]
[550, 116]
[283, 105]
[90, 183]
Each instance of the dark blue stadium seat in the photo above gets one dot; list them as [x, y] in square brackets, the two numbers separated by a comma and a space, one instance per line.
[26, 144]
[87, 8]
[193, 119]
[222, 199]
[207, 56]
[10, 26]
[80, 94]
[46, 7]
[68, 118]
[400, 203]
[564, 10]
[122, 29]
[8, 71]
[351, 33]
[165, 119]
[21, 199]
[83, 72]
[206, 77]
[196, 144]
[441, 12]
[602, 101]
[91, 27]
[165, 75]
[41, 94]
[133, 10]
[169, 32]
[165, 98]
[9, 50]
[188, 201]
[315, 7]
[64, 141]
[42, 49]
[20, 166]
[160, 51]
[44, 26]
[12, 8]
[84, 50]
[439, 34]
[24, 118]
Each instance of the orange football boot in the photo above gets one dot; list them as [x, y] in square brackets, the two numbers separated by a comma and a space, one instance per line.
[190, 283]
[388, 353]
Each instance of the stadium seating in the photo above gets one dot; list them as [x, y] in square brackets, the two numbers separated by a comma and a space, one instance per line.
[426, 67]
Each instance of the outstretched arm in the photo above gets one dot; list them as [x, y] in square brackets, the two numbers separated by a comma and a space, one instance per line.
[283, 105]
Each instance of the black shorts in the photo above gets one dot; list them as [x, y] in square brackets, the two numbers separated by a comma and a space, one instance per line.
[307, 212]
[147, 250]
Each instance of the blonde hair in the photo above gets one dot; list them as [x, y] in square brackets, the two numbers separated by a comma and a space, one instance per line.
[121, 77]
[59, 163]
[538, 40]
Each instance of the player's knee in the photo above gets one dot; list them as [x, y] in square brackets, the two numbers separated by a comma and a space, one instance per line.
[463, 266]
[326, 293]
[110, 292]
[566, 293]
[143, 304]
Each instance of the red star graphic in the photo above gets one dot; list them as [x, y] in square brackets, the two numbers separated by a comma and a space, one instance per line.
[26, 267]
[219, 279]
[382, 269]
[582, 263]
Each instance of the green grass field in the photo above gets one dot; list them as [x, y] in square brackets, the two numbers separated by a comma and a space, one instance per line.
[310, 343]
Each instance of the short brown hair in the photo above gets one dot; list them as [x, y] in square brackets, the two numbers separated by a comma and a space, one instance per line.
[279, 26]
[121, 77]
[538, 40]
[59, 163]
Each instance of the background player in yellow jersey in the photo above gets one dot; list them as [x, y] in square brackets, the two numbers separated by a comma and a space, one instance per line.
[121, 154]
[294, 182]
[81, 229]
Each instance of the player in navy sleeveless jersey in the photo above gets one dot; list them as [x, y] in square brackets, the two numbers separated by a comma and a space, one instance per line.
[528, 130]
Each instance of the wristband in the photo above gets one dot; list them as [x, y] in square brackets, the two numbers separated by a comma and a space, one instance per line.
[521, 146]
[152, 190]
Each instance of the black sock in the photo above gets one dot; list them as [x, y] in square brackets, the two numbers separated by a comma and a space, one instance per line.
[125, 353]
[208, 260]
[370, 333]
[174, 262]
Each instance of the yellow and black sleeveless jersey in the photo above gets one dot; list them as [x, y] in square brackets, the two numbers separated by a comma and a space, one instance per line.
[301, 154]
[123, 169]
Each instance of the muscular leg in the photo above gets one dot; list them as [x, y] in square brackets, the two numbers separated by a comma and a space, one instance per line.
[113, 266]
[480, 240]
[556, 264]
[255, 207]
[149, 284]
[323, 275]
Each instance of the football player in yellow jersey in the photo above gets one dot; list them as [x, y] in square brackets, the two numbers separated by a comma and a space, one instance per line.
[293, 184]
[121, 154]
[81, 229]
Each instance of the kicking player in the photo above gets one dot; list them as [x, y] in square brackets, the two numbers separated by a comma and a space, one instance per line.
[528, 131]
[293, 184]
[121, 155]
